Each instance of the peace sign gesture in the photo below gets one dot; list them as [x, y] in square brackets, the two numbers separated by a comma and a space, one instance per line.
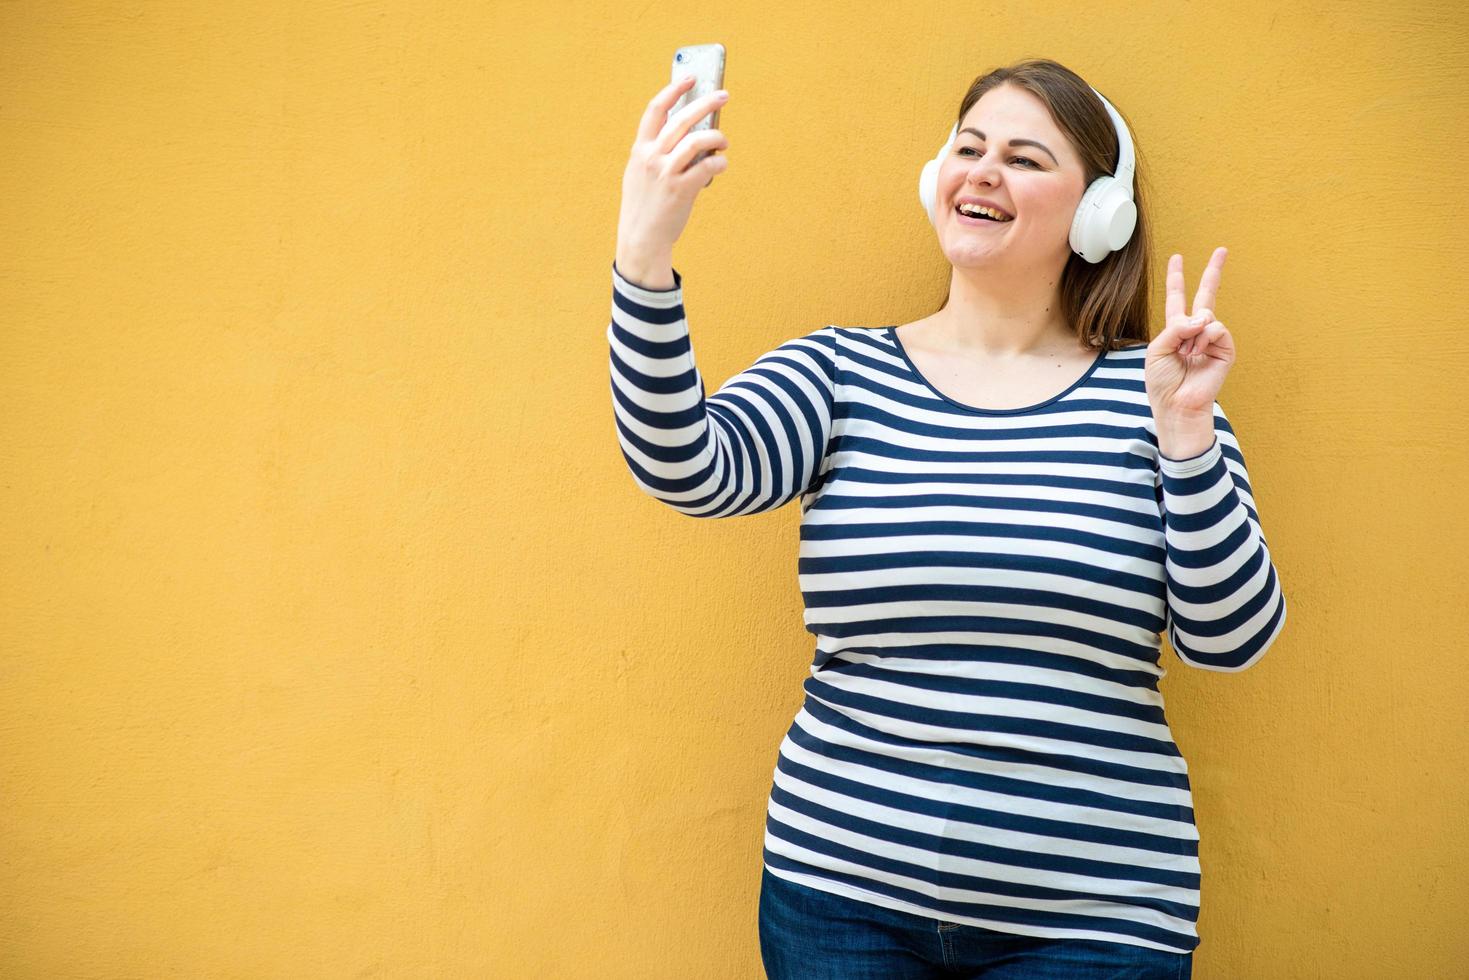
[1187, 362]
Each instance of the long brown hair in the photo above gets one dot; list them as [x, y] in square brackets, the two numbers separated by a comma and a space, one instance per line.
[1106, 303]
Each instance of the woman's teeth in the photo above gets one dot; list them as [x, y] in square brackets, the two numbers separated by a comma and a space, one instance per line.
[980, 214]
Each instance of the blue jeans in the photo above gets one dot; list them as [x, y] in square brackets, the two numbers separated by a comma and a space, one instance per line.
[808, 934]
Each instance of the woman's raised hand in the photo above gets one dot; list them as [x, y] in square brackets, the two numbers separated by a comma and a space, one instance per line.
[1187, 363]
[659, 186]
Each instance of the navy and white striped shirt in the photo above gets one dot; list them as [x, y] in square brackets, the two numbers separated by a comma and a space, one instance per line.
[982, 738]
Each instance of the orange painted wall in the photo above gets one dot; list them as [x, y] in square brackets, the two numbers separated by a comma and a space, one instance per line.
[337, 640]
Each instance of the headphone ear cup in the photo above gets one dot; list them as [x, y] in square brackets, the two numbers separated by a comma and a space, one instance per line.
[1105, 220]
[928, 179]
[928, 183]
[1123, 223]
[1081, 224]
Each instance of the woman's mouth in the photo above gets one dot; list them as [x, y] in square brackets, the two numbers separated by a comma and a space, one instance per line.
[965, 219]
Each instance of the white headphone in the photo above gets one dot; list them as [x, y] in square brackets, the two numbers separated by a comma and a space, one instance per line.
[1106, 216]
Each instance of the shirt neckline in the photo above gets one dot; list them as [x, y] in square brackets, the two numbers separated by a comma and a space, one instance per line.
[898, 343]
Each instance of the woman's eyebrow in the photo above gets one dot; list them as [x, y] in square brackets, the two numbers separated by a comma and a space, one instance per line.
[1041, 146]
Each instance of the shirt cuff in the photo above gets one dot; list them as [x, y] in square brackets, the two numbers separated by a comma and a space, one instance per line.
[1193, 464]
[644, 295]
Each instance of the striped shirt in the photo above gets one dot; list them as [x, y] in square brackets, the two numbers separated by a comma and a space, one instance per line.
[982, 738]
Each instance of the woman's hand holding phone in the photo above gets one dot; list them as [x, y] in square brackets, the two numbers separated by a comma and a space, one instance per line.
[659, 186]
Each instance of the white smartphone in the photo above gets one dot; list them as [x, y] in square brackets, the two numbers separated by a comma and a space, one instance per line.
[706, 63]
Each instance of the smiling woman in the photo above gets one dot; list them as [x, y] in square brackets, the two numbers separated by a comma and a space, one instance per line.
[994, 541]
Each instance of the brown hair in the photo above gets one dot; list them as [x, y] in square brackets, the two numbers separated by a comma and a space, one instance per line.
[1107, 303]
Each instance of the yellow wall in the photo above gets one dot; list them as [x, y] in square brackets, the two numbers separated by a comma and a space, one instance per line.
[339, 642]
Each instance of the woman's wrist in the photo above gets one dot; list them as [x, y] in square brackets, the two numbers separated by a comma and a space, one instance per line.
[1179, 439]
[648, 271]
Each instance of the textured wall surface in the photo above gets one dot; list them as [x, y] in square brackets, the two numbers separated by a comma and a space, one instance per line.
[338, 641]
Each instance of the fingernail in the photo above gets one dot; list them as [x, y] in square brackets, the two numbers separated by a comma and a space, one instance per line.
[721, 94]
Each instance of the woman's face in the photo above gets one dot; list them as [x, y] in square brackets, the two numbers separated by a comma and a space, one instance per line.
[1040, 186]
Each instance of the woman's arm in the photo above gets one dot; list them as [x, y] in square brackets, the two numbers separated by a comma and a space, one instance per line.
[749, 448]
[1225, 604]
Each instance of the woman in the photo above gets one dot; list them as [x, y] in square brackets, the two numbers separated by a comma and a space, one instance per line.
[1005, 505]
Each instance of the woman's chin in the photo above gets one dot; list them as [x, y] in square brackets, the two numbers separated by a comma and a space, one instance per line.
[975, 253]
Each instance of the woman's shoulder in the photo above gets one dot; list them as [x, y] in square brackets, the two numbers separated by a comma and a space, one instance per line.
[838, 332]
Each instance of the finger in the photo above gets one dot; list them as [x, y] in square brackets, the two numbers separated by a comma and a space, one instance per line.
[1175, 336]
[715, 165]
[1196, 343]
[681, 122]
[1209, 284]
[1194, 326]
[656, 114]
[1191, 330]
[1219, 337]
[1198, 321]
[1173, 287]
[1213, 334]
[708, 142]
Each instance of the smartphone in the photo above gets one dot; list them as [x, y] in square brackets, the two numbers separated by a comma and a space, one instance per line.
[706, 63]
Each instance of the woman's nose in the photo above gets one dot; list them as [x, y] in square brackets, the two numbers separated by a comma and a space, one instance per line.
[980, 170]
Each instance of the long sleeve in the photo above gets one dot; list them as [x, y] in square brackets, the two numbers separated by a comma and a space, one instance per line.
[754, 445]
[1225, 604]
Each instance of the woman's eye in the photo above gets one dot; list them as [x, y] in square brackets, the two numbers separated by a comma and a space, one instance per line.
[1026, 159]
